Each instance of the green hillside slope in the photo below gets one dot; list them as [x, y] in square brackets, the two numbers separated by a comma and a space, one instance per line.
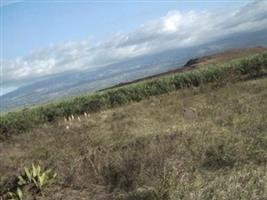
[197, 135]
[205, 142]
[18, 122]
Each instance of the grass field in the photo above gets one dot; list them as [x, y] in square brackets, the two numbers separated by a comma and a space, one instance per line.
[197, 143]
[236, 70]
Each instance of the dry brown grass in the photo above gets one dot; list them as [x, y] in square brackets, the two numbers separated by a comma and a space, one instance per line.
[226, 56]
[151, 150]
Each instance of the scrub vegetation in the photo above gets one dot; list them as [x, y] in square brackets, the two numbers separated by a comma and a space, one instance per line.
[197, 135]
[21, 121]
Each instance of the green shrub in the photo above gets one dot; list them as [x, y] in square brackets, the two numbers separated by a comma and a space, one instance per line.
[30, 182]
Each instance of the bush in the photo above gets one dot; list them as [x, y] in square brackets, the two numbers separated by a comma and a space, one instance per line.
[31, 182]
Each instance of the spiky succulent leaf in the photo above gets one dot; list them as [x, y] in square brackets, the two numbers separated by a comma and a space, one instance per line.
[39, 170]
[48, 171]
[28, 173]
[54, 176]
[12, 196]
[41, 179]
[19, 193]
[35, 182]
[21, 181]
[34, 170]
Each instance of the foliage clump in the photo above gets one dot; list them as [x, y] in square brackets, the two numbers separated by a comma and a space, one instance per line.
[31, 182]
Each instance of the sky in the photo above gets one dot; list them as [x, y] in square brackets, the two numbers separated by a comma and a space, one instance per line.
[41, 38]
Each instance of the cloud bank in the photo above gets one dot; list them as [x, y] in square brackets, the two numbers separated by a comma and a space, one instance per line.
[9, 2]
[175, 30]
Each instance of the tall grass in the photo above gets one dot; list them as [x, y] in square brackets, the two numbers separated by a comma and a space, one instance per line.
[21, 121]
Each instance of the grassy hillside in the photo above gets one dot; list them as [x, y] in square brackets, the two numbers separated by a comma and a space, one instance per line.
[196, 135]
[25, 120]
[205, 142]
[224, 56]
[205, 61]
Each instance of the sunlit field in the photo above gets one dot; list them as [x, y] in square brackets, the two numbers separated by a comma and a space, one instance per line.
[205, 142]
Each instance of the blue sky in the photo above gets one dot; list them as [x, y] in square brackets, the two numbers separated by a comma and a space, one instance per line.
[30, 25]
[42, 38]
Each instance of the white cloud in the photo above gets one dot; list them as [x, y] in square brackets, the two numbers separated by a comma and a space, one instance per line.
[9, 2]
[175, 30]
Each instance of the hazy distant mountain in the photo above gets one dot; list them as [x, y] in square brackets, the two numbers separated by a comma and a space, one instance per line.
[73, 83]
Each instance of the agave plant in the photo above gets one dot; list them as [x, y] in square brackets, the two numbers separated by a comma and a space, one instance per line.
[36, 175]
[32, 180]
